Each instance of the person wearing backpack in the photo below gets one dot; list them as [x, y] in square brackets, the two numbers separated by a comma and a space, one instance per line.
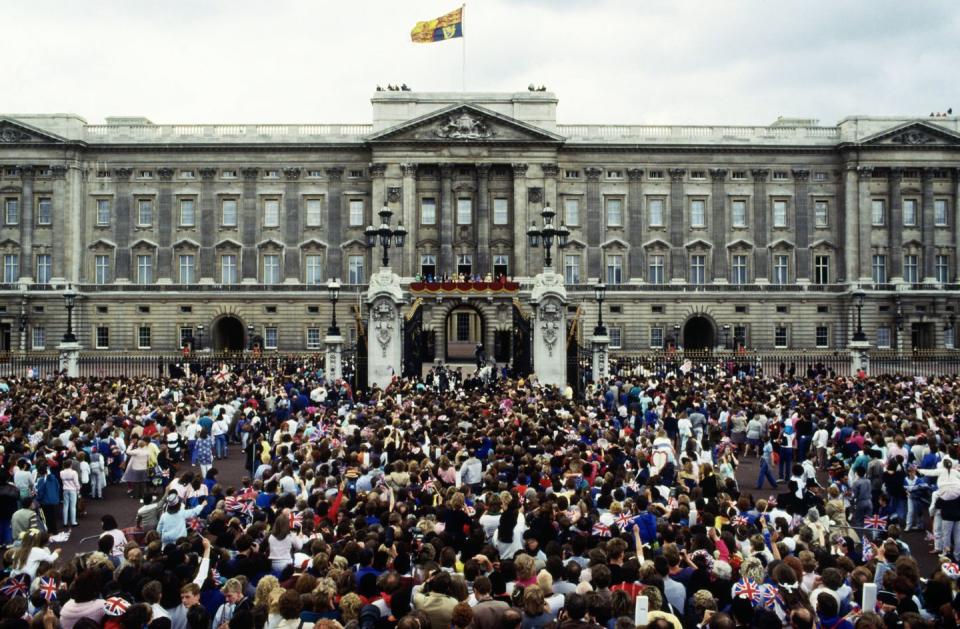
[48, 496]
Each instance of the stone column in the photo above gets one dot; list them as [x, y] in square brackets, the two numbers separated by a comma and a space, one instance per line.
[335, 222]
[549, 300]
[956, 234]
[520, 221]
[27, 173]
[600, 344]
[122, 224]
[638, 227]
[292, 230]
[63, 223]
[208, 225]
[895, 228]
[385, 328]
[802, 222]
[864, 223]
[77, 181]
[719, 217]
[928, 230]
[249, 226]
[333, 357]
[411, 217]
[859, 356]
[165, 223]
[761, 256]
[445, 220]
[484, 263]
[678, 257]
[594, 231]
[69, 358]
[851, 249]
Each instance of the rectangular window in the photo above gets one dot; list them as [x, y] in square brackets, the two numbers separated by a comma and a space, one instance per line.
[571, 269]
[229, 174]
[188, 268]
[143, 337]
[11, 211]
[655, 174]
[103, 211]
[270, 338]
[271, 268]
[698, 216]
[186, 336]
[821, 269]
[313, 338]
[739, 336]
[11, 267]
[614, 174]
[501, 265]
[779, 213]
[428, 266]
[145, 269]
[271, 212]
[39, 337]
[44, 211]
[883, 337]
[614, 269]
[228, 268]
[571, 174]
[465, 264]
[463, 327]
[314, 269]
[314, 212]
[45, 268]
[942, 266]
[616, 337]
[614, 212]
[571, 211]
[779, 175]
[940, 212]
[103, 337]
[823, 336]
[355, 270]
[738, 174]
[738, 213]
[656, 337]
[698, 269]
[739, 269]
[102, 269]
[464, 211]
[911, 266]
[186, 174]
[144, 212]
[879, 265]
[909, 212]
[228, 215]
[356, 212]
[780, 336]
[698, 174]
[780, 266]
[501, 211]
[428, 211]
[878, 212]
[655, 209]
[821, 211]
[655, 269]
[188, 213]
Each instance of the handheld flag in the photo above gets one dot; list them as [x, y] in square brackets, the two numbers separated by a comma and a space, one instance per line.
[877, 522]
[16, 586]
[747, 588]
[601, 530]
[49, 587]
[115, 606]
[442, 28]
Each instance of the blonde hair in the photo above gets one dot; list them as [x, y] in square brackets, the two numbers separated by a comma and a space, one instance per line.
[350, 606]
[524, 566]
[265, 587]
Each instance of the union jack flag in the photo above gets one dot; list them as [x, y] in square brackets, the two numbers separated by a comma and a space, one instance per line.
[747, 588]
[249, 494]
[624, 519]
[740, 520]
[247, 508]
[952, 570]
[49, 587]
[633, 486]
[770, 596]
[196, 524]
[296, 520]
[867, 552]
[877, 522]
[16, 586]
[232, 503]
[115, 606]
[601, 530]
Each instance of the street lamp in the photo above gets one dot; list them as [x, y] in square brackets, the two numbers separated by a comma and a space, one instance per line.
[250, 329]
[726, 335]
[387, 234]
[547, 235]
[599, 292]
[333, 290]
[676, 335]
[70, 301]
[858, 297]
[199, 336]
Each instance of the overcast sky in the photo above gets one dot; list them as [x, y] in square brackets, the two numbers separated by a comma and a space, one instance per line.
[636, 61]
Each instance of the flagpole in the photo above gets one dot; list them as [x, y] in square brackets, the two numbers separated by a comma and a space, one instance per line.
[463, 38]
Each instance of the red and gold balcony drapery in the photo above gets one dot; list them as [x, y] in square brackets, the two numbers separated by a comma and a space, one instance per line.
[434, 288]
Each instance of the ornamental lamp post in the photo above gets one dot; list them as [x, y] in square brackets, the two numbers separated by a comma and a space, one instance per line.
[858, 298]
[199, 336]
[250, 330]
[547, 235]
[70, 301]
[599, 292]
[333, 290]
[388, 236]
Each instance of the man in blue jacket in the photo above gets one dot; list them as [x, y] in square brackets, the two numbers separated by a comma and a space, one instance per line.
[48, 496]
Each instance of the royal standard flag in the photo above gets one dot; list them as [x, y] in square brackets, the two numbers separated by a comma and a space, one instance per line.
[445, 27]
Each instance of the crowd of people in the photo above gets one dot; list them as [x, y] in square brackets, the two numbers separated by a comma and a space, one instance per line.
[434, 505]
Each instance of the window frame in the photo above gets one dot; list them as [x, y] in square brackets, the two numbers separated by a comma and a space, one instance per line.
[234, 201]
[318, 219]
[914, 266]
[880, 258]
[655, 332]
[234, 267]
[938, 267]
[501, 217]
[39, 277]
[654, 270]
[14, 204]
[356, 209]
[142, 268]
[272, 273]
[464, 211]
[817, 223]
[734, 205]
[193, 205]
[735, 277]
[775, 214]
[884, 337]
[825, 344]
[937, 204]
[356, 273]
[566, 211]
[878, 219]
[38, 344]
[107, 269]
[785, 342]
[48, 202]
[777, 268]
[818, 268]
[191, 268]
[313, 265]
[271, 212]
[575, 277]
[914, 205]
[103, 204]
[141, 329]
[96, 337]
[617, 201]
[615, 334]
[430, 202]
[617, 268]
[145, 202]
[703, 212]
[316, 343]
[698, 268]
[268, 331]
[660, 203]
[11, 268]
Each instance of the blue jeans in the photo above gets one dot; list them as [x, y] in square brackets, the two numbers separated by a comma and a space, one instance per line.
[899, 506]
[950, 534]
[69, 507]
[786, 462]
[220, 446]
[765, 474]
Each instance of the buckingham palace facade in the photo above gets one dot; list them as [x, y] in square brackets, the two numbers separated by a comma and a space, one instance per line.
[705, 236]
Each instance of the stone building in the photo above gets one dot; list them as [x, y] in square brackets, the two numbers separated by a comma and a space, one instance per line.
[705, 235]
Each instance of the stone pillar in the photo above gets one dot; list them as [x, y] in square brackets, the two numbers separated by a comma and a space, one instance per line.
[520, 221]
[761, 227]
[333, 357]
[63, 223]
[803, 223]
[678, 257]
[895, 228]
[594, 231]
[851, 249]
[292, 229]
[859, 356]
[249, 226]
[549, 300]
[122, 224]
[208, 225]
[411, 218]
[384, 329]
[26, 223]
[956, 234]
[928, 230]
[718, 212]
[864, 221]
[484, 220]
[76, 186]
[638, 227]
[165, 223]
[600, 344]
[335, 222]
[69, 358]
[445, 220]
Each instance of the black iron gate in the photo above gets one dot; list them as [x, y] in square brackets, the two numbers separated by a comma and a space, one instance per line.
[522, 347]
[414, 343]
[579, 362]
[355, 358]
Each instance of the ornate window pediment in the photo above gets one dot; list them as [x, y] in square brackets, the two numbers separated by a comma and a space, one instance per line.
[656, 243]
[313, 244]
[698, 243]
[465, 123]
[143, 243]
[186, 243]
[228, 243]
[781, 243]
[615, 243]
[740, 244]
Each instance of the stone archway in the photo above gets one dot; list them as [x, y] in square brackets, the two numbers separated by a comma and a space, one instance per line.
[699, 334]
[464, 327]
[229, 335]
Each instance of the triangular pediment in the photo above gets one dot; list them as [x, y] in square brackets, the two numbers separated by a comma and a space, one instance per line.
[9, 243]
[656, 243]
[740, 244]
[103, 243]
[916, 133]
[615, 242]
[17, 132]
[465, 123]
[781, 243]
[186, 243]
